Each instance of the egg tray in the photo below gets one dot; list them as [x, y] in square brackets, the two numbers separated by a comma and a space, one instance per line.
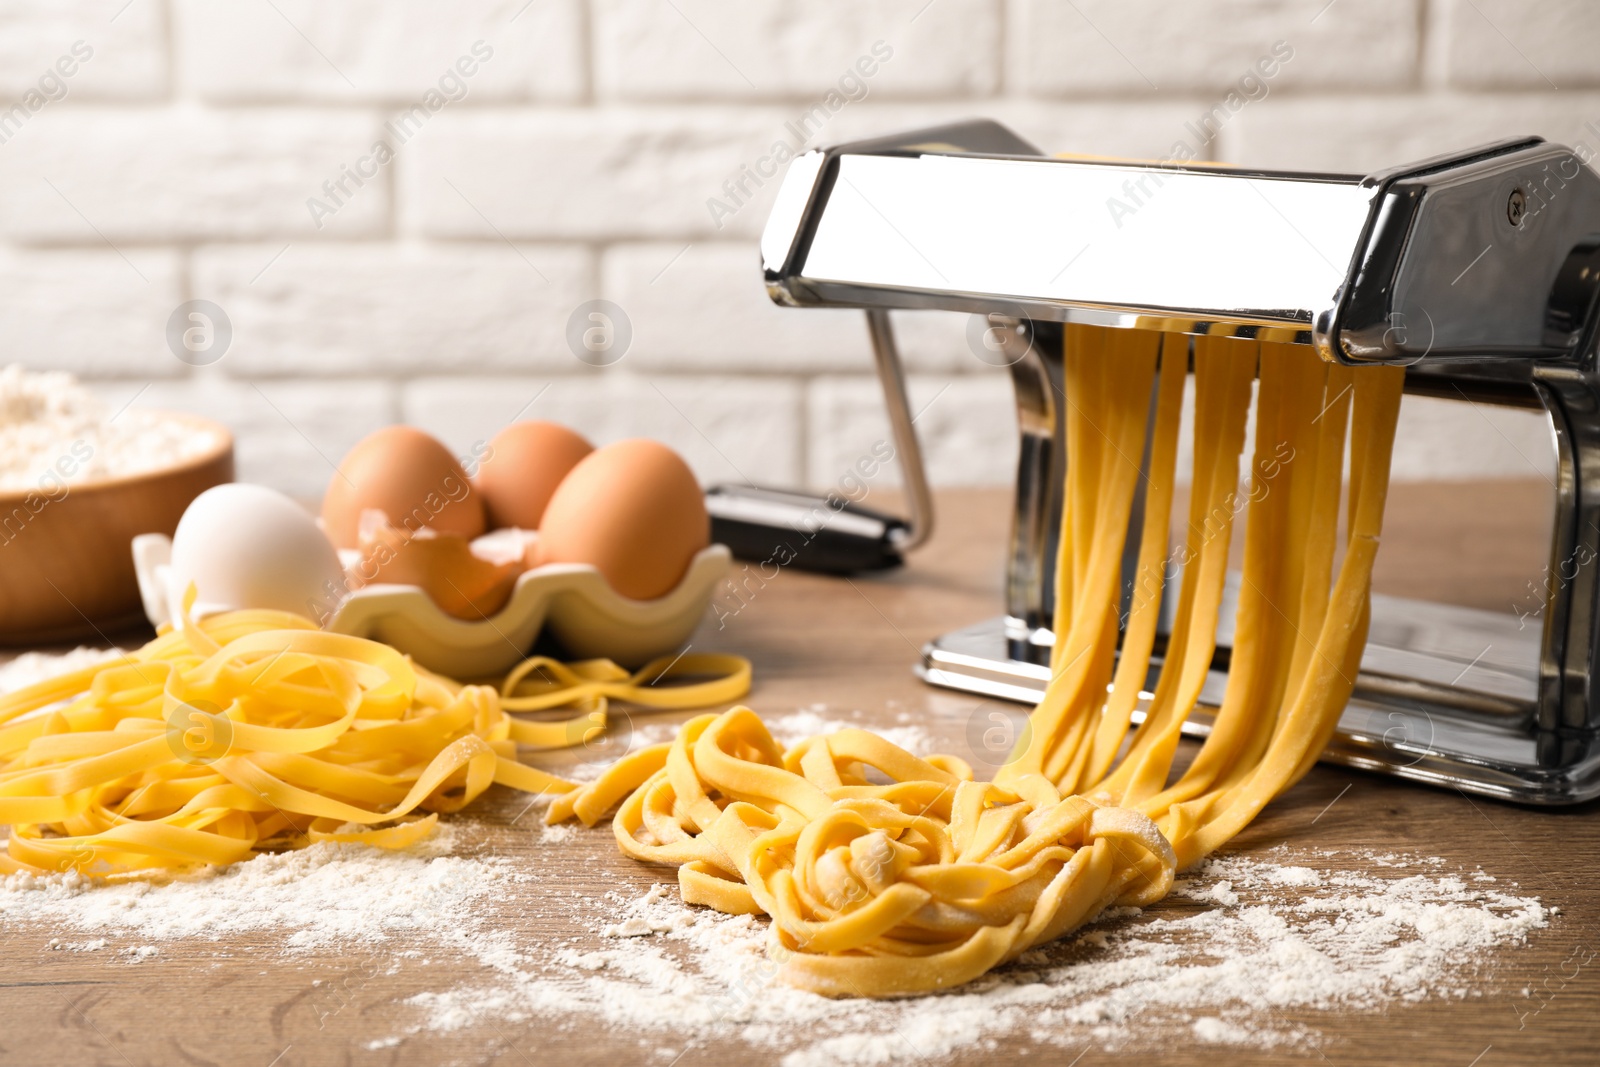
[587, 617]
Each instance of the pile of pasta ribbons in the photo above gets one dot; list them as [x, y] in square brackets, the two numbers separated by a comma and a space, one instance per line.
[887, 874]
[883, 873]
[255, 729]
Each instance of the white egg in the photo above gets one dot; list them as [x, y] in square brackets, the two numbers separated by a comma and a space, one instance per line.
[247, 546]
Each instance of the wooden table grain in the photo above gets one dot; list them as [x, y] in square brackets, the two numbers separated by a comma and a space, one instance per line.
[849, 645]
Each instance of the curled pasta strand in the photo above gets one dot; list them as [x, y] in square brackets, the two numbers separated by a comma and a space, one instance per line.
[873, 889]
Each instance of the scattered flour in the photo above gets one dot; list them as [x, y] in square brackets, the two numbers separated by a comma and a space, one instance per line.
[1242, 940]
[54, 432]
[813, 720]
[321, 895]
[1214, 1031]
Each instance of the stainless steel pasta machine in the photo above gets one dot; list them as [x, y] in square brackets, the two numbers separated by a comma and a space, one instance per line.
[1477, 270]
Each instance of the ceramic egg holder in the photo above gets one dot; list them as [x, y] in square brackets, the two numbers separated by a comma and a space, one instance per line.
[584, 614]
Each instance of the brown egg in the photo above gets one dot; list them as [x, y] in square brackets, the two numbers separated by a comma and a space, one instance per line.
[526, 461]
[411, 478]
[634, 511]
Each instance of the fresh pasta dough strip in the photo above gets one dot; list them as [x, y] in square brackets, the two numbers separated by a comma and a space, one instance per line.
[1223, 370]
[1245, 718]
[1149, 579]
[1082, 651]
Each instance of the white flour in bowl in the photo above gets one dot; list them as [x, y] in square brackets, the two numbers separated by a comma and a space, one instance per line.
[54, 432]
[30, 668]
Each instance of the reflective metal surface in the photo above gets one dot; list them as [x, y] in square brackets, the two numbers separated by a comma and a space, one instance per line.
[1052, 231]
[1426, 261]
[908, 451]
[1380, 730]
[1451, 268]
[1041, 464]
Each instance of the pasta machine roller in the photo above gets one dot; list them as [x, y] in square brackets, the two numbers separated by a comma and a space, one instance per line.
[1477, 271]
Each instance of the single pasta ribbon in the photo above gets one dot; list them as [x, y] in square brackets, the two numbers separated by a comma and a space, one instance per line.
[540, 683]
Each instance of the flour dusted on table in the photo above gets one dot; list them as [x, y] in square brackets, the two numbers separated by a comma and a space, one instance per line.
[54, 431]
[1243, 939]
[814, 721]
[319, 895]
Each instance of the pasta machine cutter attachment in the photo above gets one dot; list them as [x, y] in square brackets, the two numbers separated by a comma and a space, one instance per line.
[1477, 271]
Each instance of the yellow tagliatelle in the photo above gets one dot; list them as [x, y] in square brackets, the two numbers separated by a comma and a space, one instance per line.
[874, 890]
[887, 874]
[254, 728]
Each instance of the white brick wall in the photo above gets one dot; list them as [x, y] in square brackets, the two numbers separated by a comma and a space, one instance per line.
[128, 61]
[382, 51]
[1520, 45]
[89, 310]
[1366, 132]
[729, 428]
[967, 425]
[710, 49]
[693, 307]
[598, 173]
[571, 157]
[168, 175]
[326, 309]
[1145, 47]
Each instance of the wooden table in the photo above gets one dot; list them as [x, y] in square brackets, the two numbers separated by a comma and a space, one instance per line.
[850, 645]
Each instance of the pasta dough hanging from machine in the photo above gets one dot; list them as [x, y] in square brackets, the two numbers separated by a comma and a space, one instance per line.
[1364, 269]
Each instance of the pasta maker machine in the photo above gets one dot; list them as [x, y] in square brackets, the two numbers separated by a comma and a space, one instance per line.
[1477, 271]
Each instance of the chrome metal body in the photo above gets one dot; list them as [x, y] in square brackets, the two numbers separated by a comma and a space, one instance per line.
[1479, 271]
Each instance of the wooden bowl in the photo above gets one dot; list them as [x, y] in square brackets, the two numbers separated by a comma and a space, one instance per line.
[66, 565]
